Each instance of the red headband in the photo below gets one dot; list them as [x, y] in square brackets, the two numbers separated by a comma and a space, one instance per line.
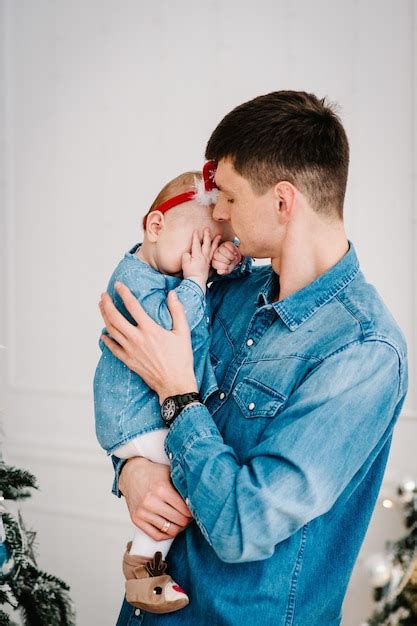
[204, 196]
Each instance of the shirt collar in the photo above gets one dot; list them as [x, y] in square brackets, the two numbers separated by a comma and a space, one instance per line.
[301, 305]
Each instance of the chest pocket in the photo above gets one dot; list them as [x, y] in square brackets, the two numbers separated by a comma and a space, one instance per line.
[256, 399]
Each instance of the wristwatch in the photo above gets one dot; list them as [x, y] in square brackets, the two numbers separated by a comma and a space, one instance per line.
[173, 405]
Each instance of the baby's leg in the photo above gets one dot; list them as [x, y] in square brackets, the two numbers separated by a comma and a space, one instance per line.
[148, 585]
[151, 446]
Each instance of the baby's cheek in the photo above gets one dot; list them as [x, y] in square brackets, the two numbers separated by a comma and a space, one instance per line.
[172, 261]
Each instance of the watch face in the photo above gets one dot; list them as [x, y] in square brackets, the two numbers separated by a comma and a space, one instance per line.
[168, 409]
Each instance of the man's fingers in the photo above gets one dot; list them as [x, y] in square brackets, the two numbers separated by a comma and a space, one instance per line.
[114, 347]
[150, 529]
[113, 333]
[173, 498]
[167, 495]
[111, 315]
[158, 521]
[179, 319]
[134, 307]
[151, 522]
[170, 513]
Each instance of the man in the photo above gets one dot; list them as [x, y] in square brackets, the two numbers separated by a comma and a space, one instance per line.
[281, 468]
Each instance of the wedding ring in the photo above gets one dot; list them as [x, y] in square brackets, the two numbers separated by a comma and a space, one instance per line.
[165, 527]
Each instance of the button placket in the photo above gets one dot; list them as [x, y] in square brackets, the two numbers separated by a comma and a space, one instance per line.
[259, 324]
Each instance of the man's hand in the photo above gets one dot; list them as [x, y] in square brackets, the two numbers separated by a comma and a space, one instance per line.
[151, 498]
[163, 358]
[226, 257]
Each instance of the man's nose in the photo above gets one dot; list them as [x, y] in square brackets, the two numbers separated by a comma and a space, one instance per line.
[220, 212]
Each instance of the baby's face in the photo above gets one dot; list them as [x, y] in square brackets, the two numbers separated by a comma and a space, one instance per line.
[176, 235]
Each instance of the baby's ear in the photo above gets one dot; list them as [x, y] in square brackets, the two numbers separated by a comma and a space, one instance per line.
[154, 225]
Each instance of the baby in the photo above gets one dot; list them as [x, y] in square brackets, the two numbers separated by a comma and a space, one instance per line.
[181, 240]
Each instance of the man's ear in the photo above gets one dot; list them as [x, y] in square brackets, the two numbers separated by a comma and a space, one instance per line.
[154, 225]
[285, 199]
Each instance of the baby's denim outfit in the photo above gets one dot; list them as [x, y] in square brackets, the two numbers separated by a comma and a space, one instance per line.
[125, 407]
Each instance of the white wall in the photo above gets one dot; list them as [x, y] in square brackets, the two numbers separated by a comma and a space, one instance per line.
[101, 103]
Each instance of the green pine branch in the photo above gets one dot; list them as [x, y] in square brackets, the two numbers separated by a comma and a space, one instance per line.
[15, 482]
[4, 619]
[41, 598]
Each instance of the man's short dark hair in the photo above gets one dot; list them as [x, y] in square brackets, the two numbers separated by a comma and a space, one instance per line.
[287, 135]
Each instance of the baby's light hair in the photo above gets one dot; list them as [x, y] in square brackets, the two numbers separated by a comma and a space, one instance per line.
[182, 183]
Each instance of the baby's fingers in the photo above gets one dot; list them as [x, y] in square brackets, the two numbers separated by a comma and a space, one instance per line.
[224, 254]
[230, 248]
[214, 245]
[196, 244]
[185, 259]
[206, 246]
[221, 267]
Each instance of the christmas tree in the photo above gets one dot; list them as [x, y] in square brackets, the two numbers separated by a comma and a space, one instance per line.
[394, 575]
[41, 599]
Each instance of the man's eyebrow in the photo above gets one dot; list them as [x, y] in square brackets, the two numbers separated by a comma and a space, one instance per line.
[221, 188]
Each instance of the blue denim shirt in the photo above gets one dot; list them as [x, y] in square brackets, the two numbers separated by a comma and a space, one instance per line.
[124, 405]
[282, 466]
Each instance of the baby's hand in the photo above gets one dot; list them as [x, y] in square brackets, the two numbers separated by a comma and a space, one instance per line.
[226, 257]
[196, 265]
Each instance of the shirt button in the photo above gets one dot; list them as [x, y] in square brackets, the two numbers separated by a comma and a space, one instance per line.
[187, 501]
[207, 320]
[170, 456]
[222, 395]
[251, 406]
[137, 612]
[249, 342]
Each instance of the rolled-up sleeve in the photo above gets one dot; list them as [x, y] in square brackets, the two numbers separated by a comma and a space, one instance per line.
[117, 467]
[333, 424]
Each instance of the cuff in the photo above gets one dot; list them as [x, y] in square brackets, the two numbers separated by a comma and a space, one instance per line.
[192, 425]
[193, 285]
[117, 466]
[245, 266]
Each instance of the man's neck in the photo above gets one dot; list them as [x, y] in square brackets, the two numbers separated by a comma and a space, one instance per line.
[303, 259]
